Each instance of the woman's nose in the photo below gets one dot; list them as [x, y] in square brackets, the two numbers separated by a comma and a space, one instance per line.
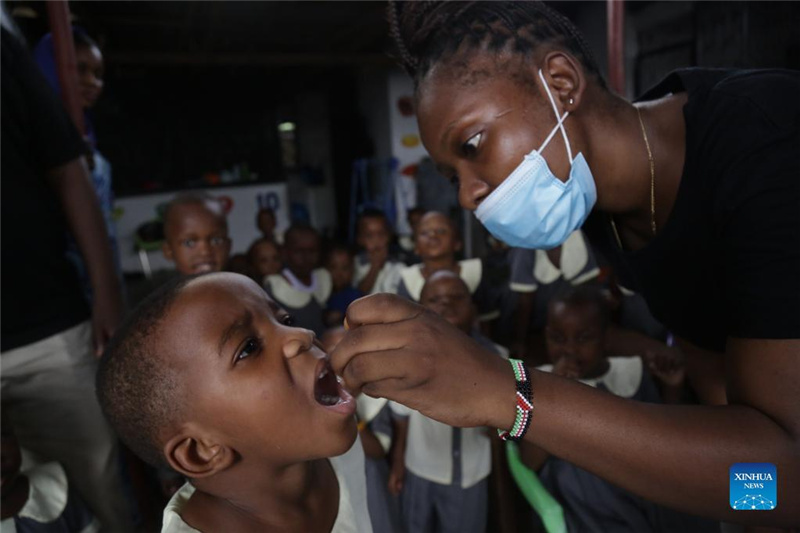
[471, 190]
[299, 341]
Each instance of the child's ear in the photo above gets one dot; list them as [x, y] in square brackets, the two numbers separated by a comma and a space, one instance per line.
[166, 249]
[197, 457]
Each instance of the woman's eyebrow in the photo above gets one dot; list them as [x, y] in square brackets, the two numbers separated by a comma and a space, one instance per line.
[242, 323]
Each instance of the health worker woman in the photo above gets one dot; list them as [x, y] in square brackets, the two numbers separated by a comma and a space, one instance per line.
[696, 190]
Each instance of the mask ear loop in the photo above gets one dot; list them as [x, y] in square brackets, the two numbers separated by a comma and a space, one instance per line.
[560, 124]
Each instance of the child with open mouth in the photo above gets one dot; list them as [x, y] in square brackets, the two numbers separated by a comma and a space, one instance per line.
[210, 377]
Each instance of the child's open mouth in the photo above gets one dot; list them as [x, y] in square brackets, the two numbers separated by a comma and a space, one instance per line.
[328, 390]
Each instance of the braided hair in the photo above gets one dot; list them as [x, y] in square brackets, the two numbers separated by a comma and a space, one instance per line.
[428, 31]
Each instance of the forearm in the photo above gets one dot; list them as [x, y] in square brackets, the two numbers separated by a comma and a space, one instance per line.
[85, 220]
[397, 452]
[371, 444]
[678, 456]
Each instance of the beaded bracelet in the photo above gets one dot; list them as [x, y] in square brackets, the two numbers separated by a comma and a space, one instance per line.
[524, 403]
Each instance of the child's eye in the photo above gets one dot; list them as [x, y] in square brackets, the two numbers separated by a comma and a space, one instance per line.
[218, 241]
[472, 144]
[287, 320]
[189, 243]
[250, 347]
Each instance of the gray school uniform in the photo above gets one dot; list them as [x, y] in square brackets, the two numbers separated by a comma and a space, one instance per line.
[593, 504]
[458, 502]
[471, 271]
[306, 306]
[533, 272]
[384, 508]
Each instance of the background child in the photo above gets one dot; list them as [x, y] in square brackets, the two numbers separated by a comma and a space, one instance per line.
[406, 242]
[437, 242]
[340, 264]
[209, 376]
[266, 224]
[265, 257]
[442, 472]
[301, 287]
[376, 270]
[577, 321]
[196, 234]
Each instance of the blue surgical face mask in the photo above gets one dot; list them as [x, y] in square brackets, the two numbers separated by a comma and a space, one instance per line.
[534, 209]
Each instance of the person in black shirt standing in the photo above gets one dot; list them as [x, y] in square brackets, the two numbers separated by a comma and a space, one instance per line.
[50, 338]
[698, 190]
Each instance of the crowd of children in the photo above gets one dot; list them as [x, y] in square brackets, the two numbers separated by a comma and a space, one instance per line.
[396, 470]
[192, 381]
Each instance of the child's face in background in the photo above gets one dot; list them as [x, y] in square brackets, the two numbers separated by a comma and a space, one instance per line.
[266, 222]
[196, 239]
[302, 253]
[436, 238]
[267, 258]
[373, 234]
[575, 339]
[89, 61]
[256, 384]
[340, 266]
[449, 297]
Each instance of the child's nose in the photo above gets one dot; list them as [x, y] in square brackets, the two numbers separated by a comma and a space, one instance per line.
[300, 340]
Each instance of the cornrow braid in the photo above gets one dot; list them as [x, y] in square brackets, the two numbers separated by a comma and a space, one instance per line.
[428, 31]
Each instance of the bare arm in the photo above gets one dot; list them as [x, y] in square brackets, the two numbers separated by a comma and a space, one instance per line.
[398, 455]
[79, 202]
[371, 444]
[678, 456]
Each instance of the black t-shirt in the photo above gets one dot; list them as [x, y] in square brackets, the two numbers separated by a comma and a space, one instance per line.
[727, 262]
[41, 294]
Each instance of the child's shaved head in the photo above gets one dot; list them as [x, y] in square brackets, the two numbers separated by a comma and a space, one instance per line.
[138, 392]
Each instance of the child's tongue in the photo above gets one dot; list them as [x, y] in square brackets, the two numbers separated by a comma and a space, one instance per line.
[326, 388]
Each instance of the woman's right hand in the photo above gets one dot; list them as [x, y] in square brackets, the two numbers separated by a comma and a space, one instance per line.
[399, 350]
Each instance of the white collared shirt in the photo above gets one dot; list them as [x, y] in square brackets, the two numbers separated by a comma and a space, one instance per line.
[388, 278]
[353, 515]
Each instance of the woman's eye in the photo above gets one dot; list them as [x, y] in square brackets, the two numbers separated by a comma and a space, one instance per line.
[471, 146]
[250, 347]
[287, 320]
